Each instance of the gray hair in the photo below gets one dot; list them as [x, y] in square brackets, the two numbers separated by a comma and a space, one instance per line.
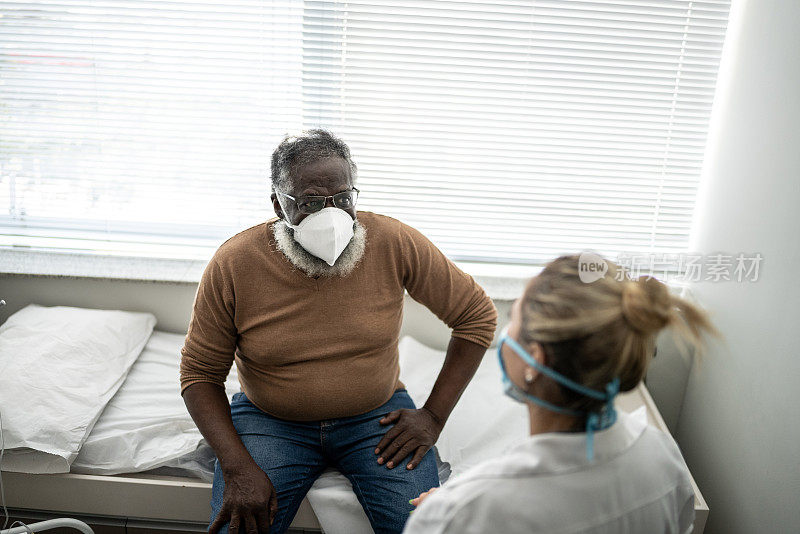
[307, 147]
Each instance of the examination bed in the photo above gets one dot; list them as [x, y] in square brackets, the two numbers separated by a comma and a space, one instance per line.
[157, 500]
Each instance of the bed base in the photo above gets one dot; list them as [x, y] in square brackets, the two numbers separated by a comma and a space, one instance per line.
[146, 499]
[136, 502]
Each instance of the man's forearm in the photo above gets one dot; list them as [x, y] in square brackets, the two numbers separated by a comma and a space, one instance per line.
[208, 405]
[462, 360]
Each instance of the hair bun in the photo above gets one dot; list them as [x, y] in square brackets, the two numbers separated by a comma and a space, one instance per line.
[646, 304]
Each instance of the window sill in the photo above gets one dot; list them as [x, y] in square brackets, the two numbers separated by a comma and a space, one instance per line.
[19, 260]
[501, 282]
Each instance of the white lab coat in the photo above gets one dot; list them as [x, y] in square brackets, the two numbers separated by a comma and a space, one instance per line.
[637, 483]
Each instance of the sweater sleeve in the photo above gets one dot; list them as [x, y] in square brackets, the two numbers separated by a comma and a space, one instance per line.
[450, 293]
[207, 353]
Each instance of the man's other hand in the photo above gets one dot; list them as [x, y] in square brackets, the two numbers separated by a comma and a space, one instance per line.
[414, 432]
[249, 502]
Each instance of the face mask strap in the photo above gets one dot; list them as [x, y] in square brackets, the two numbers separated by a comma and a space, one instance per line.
[602, 419]
[558, 377]
[595, 420]
[523, 395]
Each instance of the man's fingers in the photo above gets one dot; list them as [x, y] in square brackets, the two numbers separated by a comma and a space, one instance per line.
[390, 417]
[233, 527]
[262, 519]
[222, 516]
[250, 525]
[397, 441]
[419, 454]
[387, 439]
[407, 448]
[273, 507]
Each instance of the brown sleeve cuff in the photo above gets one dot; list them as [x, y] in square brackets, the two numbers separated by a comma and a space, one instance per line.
[482, 339]
[189, 381]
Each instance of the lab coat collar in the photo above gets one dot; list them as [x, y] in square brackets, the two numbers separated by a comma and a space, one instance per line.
[554, 452]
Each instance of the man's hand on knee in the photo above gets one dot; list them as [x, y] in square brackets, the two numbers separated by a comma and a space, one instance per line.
[415, 431]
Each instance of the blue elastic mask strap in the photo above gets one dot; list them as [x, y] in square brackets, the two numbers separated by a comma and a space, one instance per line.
[558, 377]
[524, 394]
[601, 420]
[598, 420]
[544, 404]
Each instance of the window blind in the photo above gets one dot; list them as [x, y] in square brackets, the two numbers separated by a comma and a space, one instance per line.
[505, 131]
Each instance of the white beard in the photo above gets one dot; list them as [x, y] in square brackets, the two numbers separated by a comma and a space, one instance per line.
[314, 266]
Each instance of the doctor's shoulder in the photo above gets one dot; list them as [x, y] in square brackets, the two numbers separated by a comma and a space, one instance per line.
[665, 455]
[475, 502]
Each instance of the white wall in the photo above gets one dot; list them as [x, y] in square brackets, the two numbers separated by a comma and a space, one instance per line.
[740, 426]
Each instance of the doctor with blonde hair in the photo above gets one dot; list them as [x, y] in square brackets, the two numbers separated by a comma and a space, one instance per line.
[570, 347]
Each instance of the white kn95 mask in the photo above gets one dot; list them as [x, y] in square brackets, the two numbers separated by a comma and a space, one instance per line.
[325, 233]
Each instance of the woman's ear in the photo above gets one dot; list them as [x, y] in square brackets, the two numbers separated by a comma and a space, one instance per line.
[537, 353]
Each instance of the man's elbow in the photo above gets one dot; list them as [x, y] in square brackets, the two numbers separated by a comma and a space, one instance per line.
[480, 325]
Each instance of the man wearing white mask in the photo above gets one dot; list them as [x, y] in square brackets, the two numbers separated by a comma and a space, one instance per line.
[309, 306]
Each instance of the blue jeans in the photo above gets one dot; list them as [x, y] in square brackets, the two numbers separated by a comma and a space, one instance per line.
[293, 454]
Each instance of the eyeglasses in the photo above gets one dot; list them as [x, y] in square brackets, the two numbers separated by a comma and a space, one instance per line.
[313, 203]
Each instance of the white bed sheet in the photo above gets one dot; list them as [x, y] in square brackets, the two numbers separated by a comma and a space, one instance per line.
[146, 424]
[59, 366]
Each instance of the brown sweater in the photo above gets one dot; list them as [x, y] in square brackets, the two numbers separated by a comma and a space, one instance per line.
[308, 349]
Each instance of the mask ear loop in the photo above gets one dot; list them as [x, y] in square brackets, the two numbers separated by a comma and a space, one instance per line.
[595, 421]
[522, 395]
[555, 375]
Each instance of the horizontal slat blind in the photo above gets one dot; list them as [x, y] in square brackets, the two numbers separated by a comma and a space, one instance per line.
[506, 131]
[513, 131]
[128, 123]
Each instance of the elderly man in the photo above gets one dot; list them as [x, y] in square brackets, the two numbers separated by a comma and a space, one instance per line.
[309, 306]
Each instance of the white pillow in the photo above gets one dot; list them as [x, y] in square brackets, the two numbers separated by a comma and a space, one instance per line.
[146, 424]
[59, 367]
